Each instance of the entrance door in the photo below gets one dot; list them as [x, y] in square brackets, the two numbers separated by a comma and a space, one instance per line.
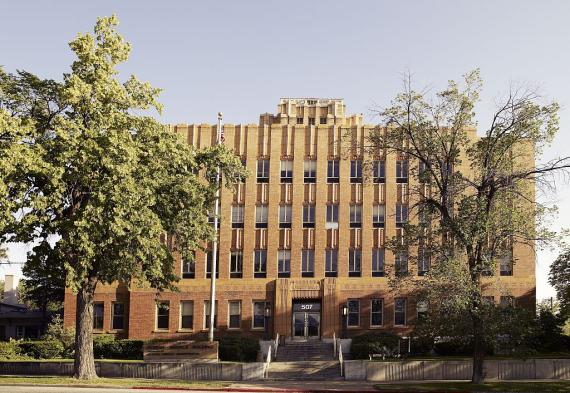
[306, 320]
[306, 325]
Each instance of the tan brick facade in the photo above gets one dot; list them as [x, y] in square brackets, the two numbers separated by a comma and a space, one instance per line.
[303, 129]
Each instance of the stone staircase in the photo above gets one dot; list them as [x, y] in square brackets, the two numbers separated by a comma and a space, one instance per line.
[305, 370]
[304, 360]
[293, 351]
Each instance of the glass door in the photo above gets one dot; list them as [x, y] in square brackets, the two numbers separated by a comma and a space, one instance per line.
[306, 325]
[313, 324]
[299, 324]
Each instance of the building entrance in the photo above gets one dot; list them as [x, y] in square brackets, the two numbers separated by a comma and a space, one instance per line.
[306, 319]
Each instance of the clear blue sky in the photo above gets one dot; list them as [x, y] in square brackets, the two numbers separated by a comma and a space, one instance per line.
[239, 57]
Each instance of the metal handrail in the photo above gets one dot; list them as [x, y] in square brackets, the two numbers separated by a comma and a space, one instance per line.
[267, 361]
[341, 360]
[275, 345]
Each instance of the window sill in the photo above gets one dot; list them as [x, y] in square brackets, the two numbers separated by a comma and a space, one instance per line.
[184, 330]
[377, 327]
[116, 330]
[259, 329]
[234, 329]
[161, 331]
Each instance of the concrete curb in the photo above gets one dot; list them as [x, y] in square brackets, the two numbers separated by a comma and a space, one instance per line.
[207, 389]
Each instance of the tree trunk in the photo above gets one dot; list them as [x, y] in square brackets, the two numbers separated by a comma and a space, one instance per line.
[478, 350]
[84, 365]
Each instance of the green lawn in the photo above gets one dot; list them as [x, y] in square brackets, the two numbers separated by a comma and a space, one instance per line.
[526, 386]
[123, 382]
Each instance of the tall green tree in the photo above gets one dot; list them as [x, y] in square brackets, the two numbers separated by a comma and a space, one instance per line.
[105, 179]
[559, 278]
[471, 198]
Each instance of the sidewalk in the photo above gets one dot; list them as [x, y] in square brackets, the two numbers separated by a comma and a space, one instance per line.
[305, 386]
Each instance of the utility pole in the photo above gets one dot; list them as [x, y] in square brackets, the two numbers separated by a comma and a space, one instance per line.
[219, 139]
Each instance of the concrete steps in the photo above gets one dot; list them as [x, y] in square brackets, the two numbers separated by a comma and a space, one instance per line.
[305, 370]
[316, 350]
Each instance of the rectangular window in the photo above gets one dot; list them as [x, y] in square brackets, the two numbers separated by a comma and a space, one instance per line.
[237, 216]
[376, 312]
[423, 173]
[207, 314]
[356, 171]
[284, 263]
[212, 220]
[310, 171]
[308, 216]
[187, 315]
[118, 316]
[378, 262]
[401, 171]
[235, 314]
[506, 264]
[209, 261]
[400, 311]
[311, 121]
[331, 263]
[422, 309]
[98, 315]
[285, 216]
[379, 171]
[261, 216]
[401, 214]
[308, 263]
[401, 263]
[162, 315]
[286, 171]
[259, 314]
[333, 171]
[323, 120]
[260, 263]
[236, 264]
[332, 217]
[355, 216]
[353, 313]
[189, 266]
[354, 262]
[423, 261]
[263, 171]
[378, 216]
[299, 120]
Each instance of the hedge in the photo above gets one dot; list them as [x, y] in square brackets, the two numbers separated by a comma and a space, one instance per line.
[106, 347]
[48, 349]
[237, 348]
[374, 343]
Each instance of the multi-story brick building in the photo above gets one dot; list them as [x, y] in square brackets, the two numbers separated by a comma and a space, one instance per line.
[303, 236]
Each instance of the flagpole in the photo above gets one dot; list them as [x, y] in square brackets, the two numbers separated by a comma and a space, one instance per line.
[215, 243]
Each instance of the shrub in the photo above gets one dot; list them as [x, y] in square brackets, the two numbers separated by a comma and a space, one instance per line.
[459, 347]
[45, 349]
[9, 350]
[374, 343]
[106, 347]
[238, 348]
[66, 335]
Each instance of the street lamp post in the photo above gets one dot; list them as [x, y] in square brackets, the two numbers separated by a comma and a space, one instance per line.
[344, 312]
[219, 140]
[266, 315]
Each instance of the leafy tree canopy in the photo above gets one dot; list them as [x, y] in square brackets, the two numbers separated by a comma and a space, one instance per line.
[86, 165]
